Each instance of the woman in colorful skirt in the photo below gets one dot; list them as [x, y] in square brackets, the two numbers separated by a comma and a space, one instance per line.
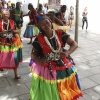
[31, 29]
[10, 44]
[54, 75]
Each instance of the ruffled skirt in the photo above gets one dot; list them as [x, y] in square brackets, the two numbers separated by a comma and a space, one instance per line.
[64, 85]
[31, 31]
[10, 53]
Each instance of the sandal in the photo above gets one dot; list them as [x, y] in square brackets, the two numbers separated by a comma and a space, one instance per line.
[17, 77]
[29, 43]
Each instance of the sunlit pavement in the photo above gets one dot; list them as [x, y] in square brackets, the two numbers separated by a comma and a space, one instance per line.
[86, 57]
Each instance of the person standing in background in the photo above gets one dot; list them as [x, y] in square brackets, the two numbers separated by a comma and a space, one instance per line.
[62, 12]
[18, 17]
[40, 9]
[31, 29]
[56, 22]
[13, 6]
[71, 17]
[45, 8]
[84, 14]
[4, 4]
[21, 6]
[0, 10]
[9, 5]
[11, 10]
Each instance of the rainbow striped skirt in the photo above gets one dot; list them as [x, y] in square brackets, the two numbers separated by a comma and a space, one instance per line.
[64, 85]
[10, 52]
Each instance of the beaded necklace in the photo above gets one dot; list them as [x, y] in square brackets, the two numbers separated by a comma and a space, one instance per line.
[6, 24]
[59, 44]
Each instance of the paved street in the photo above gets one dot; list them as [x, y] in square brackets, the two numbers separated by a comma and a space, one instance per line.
[86, 57]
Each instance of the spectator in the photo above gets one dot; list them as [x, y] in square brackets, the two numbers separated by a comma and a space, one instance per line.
[9, 4]
[71, 16]
[45, 8]
[84, 14]
[21, 6]
[4, 4]
[40, 9]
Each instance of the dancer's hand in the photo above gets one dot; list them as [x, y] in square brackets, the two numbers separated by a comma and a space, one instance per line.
[4, 31]
[15, 31]
[38, 60]
[64, 54]
[10, 30]
[43, 60]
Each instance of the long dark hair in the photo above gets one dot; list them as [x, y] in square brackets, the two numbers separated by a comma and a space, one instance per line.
[30, 5]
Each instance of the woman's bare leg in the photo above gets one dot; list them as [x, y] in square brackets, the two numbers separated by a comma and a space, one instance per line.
[71, 24]
[30, 41]
[16, 75]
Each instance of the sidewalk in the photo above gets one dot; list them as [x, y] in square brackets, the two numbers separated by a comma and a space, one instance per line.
[86, 57]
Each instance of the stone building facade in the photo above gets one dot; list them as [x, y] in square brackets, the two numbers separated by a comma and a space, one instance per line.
[57, 2]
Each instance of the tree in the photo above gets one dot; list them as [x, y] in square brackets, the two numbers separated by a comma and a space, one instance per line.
[76, 21]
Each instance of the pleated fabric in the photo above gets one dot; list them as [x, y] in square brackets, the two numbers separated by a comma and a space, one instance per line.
[31, 31]
[11, 54]
[64, 85]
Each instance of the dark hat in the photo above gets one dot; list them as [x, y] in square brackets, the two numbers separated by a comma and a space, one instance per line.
[40, 17]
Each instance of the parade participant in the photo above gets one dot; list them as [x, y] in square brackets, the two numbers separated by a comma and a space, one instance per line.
[10, 44]
[84, 14]
[51, 15]
[31, 29]
[9, 5]
[18, 17]
[40, 9]
[54, 76]
[56, 22]
[71, 17]
[1, 10]
[11, 10]
[4, 3]
[62, 12]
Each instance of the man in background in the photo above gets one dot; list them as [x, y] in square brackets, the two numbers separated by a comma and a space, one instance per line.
[18, 16]
[9, 4]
